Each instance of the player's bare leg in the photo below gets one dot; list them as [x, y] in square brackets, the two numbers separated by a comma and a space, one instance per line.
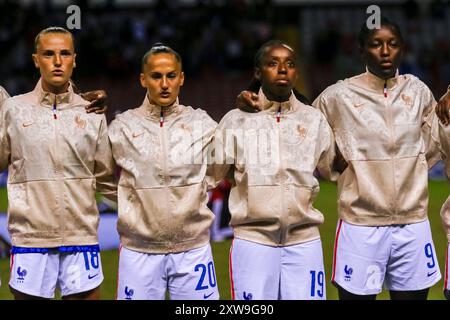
[345, 295]
[409, 295]
[93, 294]
[23, 296]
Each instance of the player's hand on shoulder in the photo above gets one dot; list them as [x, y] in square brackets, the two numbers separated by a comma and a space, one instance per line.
[97, 101]
[248, 101]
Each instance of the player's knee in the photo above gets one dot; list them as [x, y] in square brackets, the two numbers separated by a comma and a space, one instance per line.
[347, 295]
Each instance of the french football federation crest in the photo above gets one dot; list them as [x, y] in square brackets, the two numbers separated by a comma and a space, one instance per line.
[348, 273]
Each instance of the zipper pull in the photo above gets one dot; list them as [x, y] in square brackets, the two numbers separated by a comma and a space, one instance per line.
[279, 113]
[385, 88]
[161, 118]
[54, 109]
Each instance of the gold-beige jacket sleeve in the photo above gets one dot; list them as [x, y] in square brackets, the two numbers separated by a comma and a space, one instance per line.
[221, 160]
[430, 129]
[4, 140]
[326, 152]
[104, 165]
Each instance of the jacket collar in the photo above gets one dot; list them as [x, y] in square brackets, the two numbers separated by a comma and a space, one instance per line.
[154, 111]
[273, 106]
[48, 99]
[377, 84]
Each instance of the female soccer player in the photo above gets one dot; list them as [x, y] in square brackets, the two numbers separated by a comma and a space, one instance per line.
[58, 156]
[272, 155]
[164, 220]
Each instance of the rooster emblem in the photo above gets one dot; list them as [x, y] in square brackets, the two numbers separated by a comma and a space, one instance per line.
[21, 273]
[348, 273]
[248, 296]
[129, 293]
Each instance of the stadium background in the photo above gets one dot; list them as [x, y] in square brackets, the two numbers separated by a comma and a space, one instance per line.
[217, 41]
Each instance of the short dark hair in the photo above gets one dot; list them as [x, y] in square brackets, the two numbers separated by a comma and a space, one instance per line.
[52, 30]
[365, 32]
[160, 48]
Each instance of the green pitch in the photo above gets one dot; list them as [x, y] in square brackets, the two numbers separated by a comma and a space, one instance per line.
[325, 202]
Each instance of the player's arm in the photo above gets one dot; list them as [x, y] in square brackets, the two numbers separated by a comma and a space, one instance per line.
[5, 148]
[430, 129]
[222, 156]
[326, 150]
[105, 165]
[443, 108]
[339, 163]
[97, 99]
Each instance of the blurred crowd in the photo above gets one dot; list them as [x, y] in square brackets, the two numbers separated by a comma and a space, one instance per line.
[217, 40]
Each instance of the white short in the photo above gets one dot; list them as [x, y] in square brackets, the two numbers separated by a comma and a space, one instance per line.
[260, 272]
[38, 274]
[400, 256]
[188, 275]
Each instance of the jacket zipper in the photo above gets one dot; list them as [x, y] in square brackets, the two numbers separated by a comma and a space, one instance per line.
[58, 171]
[164, 159]
[54, 109]
[391, 132]
[279, 113]
[284, 210]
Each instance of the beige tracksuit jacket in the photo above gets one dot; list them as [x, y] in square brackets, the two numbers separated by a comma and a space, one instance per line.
[271, 156]
[163, 186]
[55, 167]
[384, 138]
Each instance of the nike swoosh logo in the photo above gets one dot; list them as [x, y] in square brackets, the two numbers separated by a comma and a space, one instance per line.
[205, 296]
[359, 105]
[27, 124]
[135, 135]
[429, 274]
[91, 277]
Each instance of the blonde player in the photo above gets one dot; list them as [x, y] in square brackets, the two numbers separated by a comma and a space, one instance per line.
[164, 220]
[58, 156]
